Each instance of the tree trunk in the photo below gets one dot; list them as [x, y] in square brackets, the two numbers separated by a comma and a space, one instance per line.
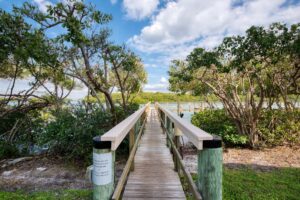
[253, 135]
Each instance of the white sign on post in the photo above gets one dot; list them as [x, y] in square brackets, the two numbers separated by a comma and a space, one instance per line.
[102, 168]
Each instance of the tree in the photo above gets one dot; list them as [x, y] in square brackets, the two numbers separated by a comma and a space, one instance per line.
[89, 56]
[244, 71]
[127, 72]
[26, 53]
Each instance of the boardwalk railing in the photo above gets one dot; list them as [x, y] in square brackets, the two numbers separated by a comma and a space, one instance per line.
[209, 148]
[103, 173]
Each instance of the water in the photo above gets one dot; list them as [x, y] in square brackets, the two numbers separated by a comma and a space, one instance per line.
[187, 108]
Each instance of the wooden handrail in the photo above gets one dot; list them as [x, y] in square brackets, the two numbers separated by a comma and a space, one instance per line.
[188, 176]
[193, 133]
[118, 190]
[117, 134]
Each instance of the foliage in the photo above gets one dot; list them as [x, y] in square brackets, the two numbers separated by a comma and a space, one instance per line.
[70, 133]
[28, 53]
[279, 127]
[217, 122]
[262, 66]
[18, 132]
[86, 52]
[8, 150]
[276, 127]
[145, 97]
[81, 53]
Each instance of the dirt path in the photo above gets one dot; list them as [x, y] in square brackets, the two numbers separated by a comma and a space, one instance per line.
[266, 159]
[46, 174]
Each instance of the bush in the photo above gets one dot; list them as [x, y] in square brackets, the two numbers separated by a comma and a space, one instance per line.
[278, 127]
[218, 123]
[70, 133]
[275, 127]
[8, 150]
[18, 132]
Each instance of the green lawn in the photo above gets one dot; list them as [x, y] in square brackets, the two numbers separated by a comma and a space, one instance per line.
[248, 184]
[242, 184]
[51, 195]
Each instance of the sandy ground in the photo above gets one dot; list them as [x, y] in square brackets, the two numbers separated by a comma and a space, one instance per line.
[266, 159]
[47, 174]
[42, 173]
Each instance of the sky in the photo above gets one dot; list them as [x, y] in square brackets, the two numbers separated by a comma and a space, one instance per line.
[162, 30]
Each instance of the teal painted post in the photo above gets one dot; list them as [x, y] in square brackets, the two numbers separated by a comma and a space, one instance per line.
[103, 174]
[210, 163]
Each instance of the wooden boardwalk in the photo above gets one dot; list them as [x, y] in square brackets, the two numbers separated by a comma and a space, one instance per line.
[153, 176]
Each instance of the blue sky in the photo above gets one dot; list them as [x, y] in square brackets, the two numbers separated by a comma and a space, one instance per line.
[162, 30]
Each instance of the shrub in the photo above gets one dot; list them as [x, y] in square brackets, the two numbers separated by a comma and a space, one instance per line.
[8, 150]
[275, 127]
[218, 123]
[70, 133]
[278, 127]
[18, 132]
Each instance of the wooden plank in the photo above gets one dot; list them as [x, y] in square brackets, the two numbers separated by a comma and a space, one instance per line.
[153, 176]
[117, 134]
[193, 133]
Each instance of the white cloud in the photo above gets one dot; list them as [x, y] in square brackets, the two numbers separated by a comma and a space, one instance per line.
[42, 4]
[162, 86]
[185, 24]
[139, 9]
[150, 65]
[113, 1]
[158, 87]
[163, 80]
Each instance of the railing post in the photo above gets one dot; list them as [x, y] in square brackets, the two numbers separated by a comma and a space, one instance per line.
[103, 173]
[137, 126]
[177, 144]
[131, 144]
[162, 116]
[210, 169]
[168, 129]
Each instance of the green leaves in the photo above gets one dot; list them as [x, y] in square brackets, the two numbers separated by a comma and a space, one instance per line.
[23, 46]
[201, 58]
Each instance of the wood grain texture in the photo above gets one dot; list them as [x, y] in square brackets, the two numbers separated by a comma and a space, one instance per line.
[210, 173]
[153, 176]
[117, 134]
[193, 133]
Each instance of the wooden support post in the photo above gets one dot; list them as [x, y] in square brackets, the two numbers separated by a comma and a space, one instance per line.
[131, 143]
[162, 115]
[103, 174]
[137, 127]
[173, 139]
[169, 129]
[177, 133]
[210, 169]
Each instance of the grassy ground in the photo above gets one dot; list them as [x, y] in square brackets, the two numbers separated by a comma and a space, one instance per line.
[51, 195]
[247, 184]
[240, 184]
